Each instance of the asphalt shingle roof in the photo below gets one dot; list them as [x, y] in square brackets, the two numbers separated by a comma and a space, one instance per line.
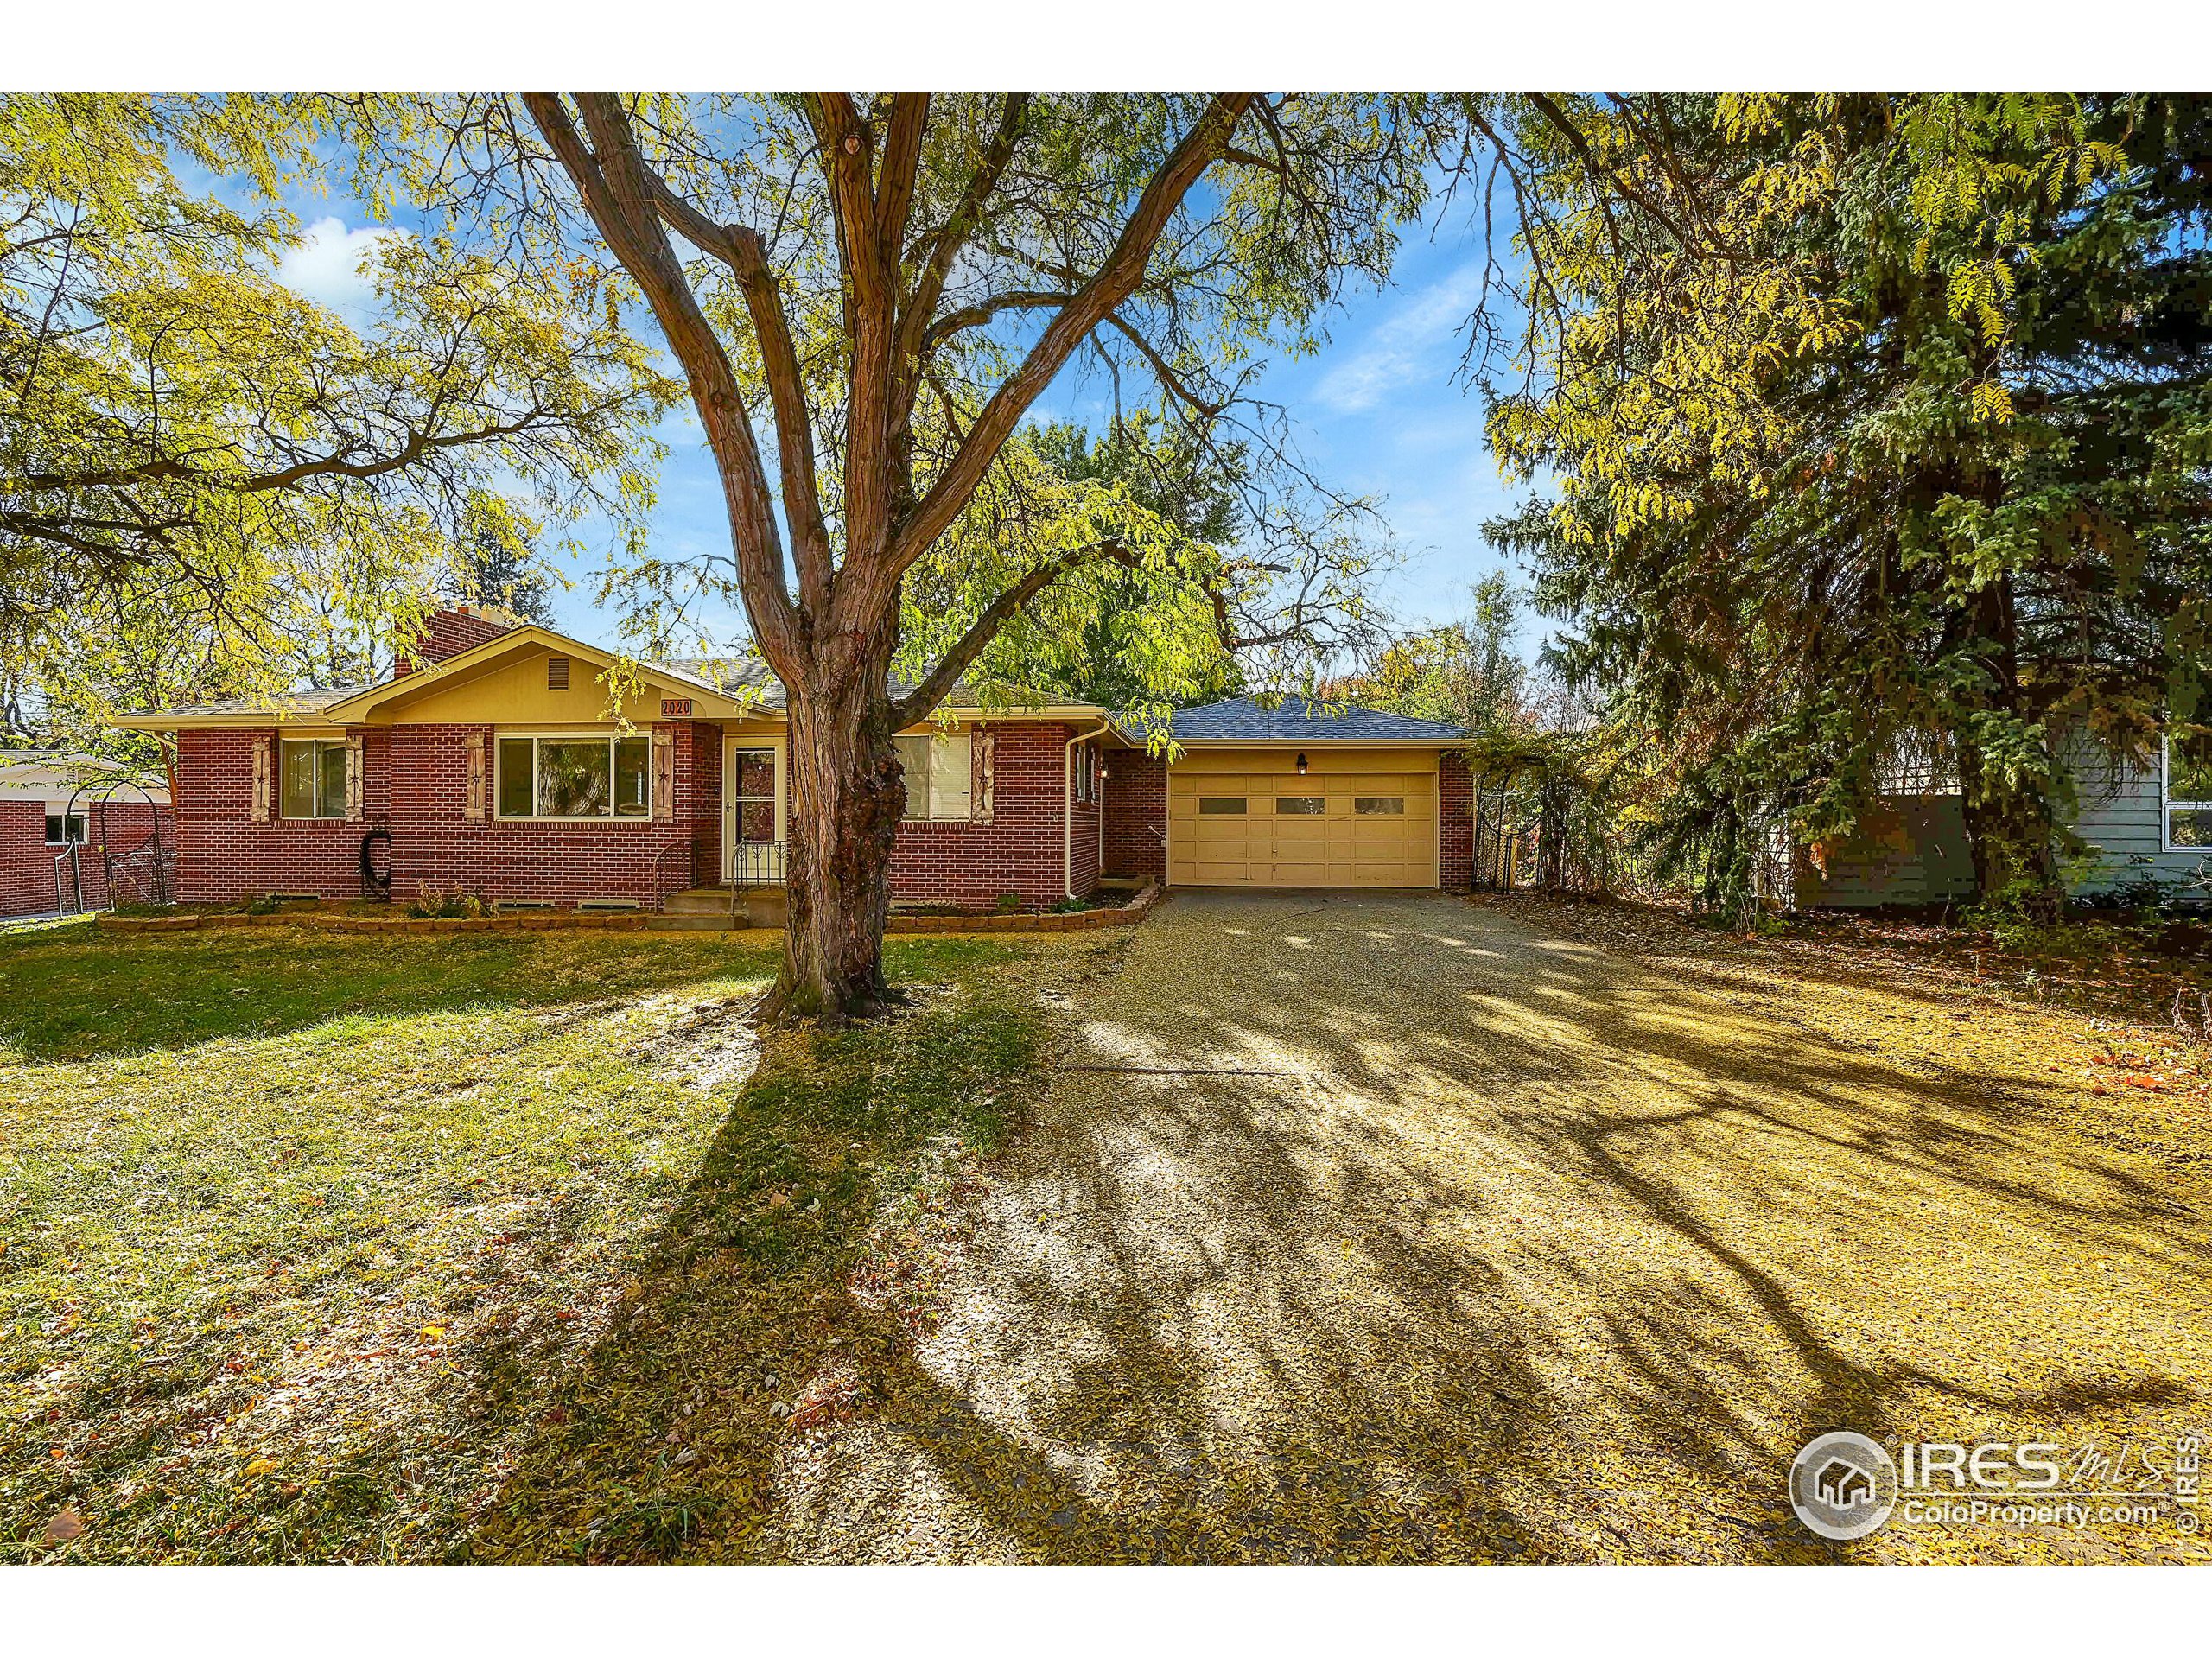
[290, 702]
[1296, 719]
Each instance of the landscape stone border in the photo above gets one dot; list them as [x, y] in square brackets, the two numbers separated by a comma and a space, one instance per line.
[400, 924]
[1127, 915]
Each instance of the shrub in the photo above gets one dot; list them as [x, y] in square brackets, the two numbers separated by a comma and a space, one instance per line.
[437, 903]
[1009, 903]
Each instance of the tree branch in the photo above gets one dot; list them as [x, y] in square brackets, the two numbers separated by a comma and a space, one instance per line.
[740, 247]
[938, 683]
[1115, 280]
[617, 190]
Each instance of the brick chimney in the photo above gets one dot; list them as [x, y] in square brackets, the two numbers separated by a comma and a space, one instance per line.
[452, 629]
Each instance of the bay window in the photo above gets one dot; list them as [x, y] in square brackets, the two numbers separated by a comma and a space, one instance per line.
[939, 782]
[576, 777]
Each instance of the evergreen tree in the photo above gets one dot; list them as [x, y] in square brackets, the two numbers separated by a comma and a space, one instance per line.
[1881, 427]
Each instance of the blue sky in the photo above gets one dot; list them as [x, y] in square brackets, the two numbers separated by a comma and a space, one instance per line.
[1376, 412]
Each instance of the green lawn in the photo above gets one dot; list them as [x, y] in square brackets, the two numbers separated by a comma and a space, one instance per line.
[473, 1247]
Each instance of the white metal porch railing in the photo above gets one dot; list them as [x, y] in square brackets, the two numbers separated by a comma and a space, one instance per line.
[757, 864]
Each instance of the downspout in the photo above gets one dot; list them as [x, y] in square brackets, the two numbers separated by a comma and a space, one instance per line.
[1067, 807]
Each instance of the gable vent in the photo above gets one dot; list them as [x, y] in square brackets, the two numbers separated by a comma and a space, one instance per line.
[556, 673]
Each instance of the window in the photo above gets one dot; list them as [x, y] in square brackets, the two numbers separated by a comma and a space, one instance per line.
[55, 828]
[1301, 806]
[2189, 795]
[576, 777]
[1379, 805]
[315, 777]
[1084, 762]
[939, 784]
[755, 799]
[1221, 806]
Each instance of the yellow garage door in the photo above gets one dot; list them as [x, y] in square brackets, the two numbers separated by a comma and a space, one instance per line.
[1270, 829]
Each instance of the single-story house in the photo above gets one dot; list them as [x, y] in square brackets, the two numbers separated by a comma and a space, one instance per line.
[2145, 827]
[491, 763]
[65, 819]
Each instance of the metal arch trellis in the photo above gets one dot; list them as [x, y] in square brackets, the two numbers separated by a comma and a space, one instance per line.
[146, 868]
[1496, 837]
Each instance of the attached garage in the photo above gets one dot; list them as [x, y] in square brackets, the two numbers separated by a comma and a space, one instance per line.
[1268, 825]
[1299, 795]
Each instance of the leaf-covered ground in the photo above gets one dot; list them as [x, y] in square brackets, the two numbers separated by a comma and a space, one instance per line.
[1384, 1228]
[496, 1247]
[1395, 1227]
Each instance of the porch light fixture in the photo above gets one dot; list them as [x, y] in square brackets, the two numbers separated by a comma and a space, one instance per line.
[1301, 765]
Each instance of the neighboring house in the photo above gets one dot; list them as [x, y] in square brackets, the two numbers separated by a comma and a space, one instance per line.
[496, 768]
[2145, 826]
[64, 818]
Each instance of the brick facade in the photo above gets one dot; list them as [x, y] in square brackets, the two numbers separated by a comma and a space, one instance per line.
[27, 863]
[1455, 827]
[414, 785]
[1019, 851]
[1136, 815]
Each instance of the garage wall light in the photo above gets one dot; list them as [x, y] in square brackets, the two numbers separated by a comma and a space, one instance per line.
[1301, 765]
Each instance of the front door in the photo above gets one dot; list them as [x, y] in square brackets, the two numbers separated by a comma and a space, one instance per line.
[753, 814]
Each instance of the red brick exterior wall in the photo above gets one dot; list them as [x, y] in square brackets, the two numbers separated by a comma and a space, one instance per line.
[1136, 815]
[447, 633]
[1455, 800]
[1019, 851]
[705, 775]
[415, 784]
[26, 862]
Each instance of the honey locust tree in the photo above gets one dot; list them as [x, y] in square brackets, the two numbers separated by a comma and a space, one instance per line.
[867, 298]
[211, 484]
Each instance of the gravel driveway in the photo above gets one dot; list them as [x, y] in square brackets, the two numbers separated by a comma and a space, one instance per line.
[1387, 1228]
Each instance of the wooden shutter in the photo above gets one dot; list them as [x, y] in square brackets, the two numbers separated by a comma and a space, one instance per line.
[472, 809]
[664, 784]
[262, 745]
[979, 778]
[353, 777]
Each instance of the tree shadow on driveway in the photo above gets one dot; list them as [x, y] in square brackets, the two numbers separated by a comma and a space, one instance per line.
[1409, 1233]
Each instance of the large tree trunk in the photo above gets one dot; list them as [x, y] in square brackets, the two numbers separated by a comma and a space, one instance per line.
[847, 795]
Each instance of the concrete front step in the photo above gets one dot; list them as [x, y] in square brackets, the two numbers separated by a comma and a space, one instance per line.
[710, 907]
[698, 901]
[670, 920]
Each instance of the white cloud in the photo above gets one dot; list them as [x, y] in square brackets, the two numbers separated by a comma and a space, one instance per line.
[326, 267]
[1416, 341]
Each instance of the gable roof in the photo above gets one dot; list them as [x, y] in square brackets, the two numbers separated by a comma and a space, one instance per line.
[724, 687]
[1297, 720]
